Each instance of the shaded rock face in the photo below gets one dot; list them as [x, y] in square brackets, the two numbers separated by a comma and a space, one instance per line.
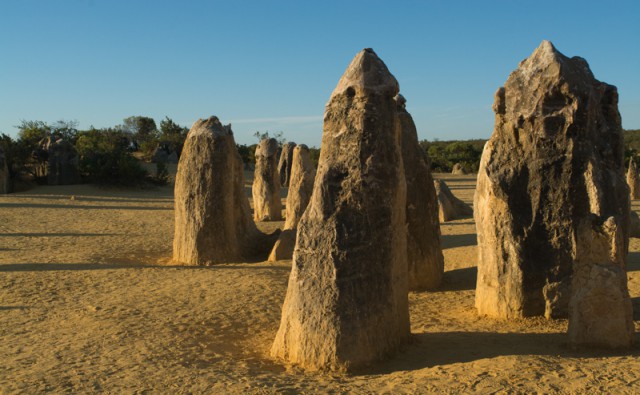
[458, 169]
[633, 180]
[213, 218]
[266, 183]
[449, 206]
[555, 158]
[4, 174]
[62, 163]
[300, 188]
[424, 253]
[600, 312]
[285, 163]
[347, 300]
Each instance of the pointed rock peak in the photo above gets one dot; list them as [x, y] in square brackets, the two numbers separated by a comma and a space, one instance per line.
[211, 125]
[366, 74]
[546, 46]
[547, 61]
[543, 56]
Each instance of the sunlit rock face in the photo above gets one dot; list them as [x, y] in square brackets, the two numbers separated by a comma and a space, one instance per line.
[347, 299]
[212, 214]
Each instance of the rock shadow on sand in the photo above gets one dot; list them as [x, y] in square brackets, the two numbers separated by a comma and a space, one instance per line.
[453, 241]
[459, 280]
[633, 262]
[81, 207]
[43, 267]
[428, 350]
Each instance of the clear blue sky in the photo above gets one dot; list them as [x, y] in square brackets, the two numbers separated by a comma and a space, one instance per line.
[271, 65]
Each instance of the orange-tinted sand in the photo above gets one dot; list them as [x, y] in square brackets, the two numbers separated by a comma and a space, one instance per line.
[88, 304]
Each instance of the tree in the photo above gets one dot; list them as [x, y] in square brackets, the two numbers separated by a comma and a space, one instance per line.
[31, 132]
[105, 159]
[172, 135]
[265, 135]
[16, 154]
[67, 130]
[144, 132]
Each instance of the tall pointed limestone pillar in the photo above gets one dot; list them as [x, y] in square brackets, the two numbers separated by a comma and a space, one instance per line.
[555, 159]
[347, 303]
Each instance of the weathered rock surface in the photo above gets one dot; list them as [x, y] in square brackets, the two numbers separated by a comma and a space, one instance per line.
[213, 217]
[300, 188]
[600, 312]
[449, 206]
[424, 252]
[347, 299]
[285, 163]
[266, 183]
[4, 174]
[633, 180]
[458, 169]
[554, 159]
[62, 163]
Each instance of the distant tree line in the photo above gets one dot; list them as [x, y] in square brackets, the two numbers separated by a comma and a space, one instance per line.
[105, 156]
[444, 154]
[112, 155]
[632, 146]
[109, 155]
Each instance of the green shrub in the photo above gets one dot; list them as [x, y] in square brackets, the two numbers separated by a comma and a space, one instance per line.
[105, 158]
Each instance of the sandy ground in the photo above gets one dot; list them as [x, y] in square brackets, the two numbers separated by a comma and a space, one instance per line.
[88, 304]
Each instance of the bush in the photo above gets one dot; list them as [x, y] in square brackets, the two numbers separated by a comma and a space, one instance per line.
[104, 158]
[16, 154]
[444, 154]
[162, 174]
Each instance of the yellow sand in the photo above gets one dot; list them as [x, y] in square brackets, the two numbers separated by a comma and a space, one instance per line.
[89, 305]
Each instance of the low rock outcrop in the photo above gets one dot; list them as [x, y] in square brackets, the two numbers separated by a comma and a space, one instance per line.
[458, 169]
[449, 206]
[62, 163]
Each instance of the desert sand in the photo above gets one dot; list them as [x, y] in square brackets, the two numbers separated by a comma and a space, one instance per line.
[90, 303]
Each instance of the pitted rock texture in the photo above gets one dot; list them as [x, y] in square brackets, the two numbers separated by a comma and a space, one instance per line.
[554, 159]
[213, 217]
[266, 183]
[600, 311]
[347, 299]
